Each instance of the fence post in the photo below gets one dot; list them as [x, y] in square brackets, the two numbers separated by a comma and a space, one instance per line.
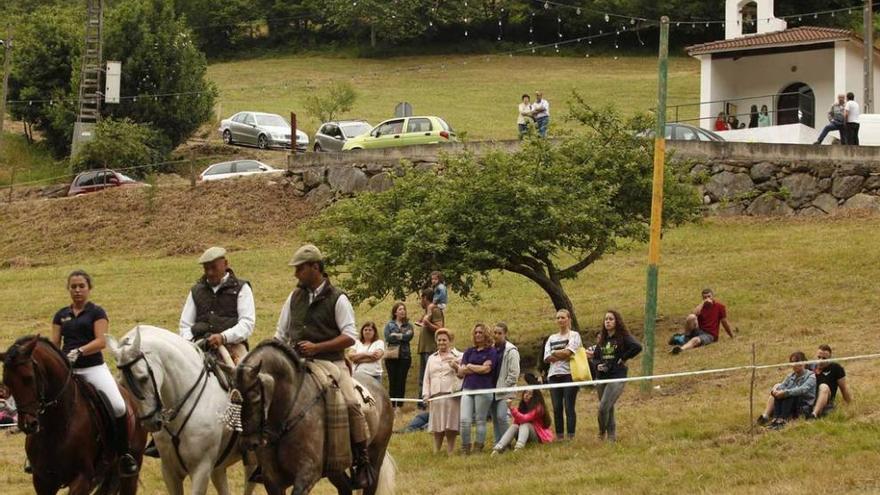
[752, 396]
[192, 175]
[11, 183]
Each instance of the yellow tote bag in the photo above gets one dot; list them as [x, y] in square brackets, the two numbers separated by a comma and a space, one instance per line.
[580, 366]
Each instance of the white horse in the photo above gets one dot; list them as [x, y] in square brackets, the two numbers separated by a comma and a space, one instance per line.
[180, 401]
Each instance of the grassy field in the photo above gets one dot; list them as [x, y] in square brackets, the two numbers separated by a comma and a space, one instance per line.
[475, 94]
[27, 162]
[788, 285]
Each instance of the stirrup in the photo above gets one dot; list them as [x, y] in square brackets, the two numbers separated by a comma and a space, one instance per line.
[128, 466]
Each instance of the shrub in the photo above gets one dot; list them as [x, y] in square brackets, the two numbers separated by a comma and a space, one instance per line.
[338, 99]
[122, 144]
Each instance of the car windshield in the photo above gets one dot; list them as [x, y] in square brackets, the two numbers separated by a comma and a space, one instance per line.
[125, 178]
[354, 130]
[271, 121]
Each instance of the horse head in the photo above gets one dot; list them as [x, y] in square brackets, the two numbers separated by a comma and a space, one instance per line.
[26, 373]
[141, 378]
[256, 390]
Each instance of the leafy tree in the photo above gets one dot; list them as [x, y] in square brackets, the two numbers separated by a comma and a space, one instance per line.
[158, 58]
[45, 66]
[218, 26]
[122, 144]
[338, 99]
[546, 212]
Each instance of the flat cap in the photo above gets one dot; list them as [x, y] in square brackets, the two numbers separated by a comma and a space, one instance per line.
[211, 254]
[306, 254]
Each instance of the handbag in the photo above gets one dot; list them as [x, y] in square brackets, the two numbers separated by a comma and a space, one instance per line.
[580, 366]
[392, 352]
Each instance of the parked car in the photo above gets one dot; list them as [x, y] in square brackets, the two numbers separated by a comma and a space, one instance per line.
[677, 131]
[404, 131]
[331, 136]
[237, 168]
[263, 130]
[98, 180]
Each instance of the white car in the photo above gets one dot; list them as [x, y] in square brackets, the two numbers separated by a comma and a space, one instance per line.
[237, 168]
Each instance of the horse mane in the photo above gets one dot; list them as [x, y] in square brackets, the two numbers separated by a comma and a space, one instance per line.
[288, 352]
[14, 351]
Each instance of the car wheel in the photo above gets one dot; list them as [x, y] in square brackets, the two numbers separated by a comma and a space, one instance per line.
[318, 148]
[262, 142]
[227, 137]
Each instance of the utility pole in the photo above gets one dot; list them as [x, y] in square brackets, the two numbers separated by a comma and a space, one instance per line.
[656, 206]
[7, 65]
[868, 102]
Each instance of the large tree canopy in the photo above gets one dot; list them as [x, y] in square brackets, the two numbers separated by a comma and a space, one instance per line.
[546, 212]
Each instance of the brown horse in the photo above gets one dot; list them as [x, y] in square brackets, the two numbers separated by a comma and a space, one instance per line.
[67, 441]
[284, 416]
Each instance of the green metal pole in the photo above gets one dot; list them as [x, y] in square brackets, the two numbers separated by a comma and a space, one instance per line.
[656, 206]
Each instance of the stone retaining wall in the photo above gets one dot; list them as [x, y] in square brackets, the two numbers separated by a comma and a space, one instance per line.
[732, 178]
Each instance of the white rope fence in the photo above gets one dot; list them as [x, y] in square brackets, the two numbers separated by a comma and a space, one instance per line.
[666, 376]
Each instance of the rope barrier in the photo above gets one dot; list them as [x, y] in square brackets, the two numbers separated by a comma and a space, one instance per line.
[666, 376]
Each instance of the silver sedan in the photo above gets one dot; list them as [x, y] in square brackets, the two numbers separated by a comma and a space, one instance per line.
[332, 135]
[263, 130]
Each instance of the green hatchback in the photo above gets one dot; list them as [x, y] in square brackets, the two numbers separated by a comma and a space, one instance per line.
[404, 131]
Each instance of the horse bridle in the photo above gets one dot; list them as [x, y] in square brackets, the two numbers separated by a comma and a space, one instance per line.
[263, 420]
[42, 405]
[165, 416]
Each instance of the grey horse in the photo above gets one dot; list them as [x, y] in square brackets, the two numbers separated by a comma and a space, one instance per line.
[283, 419]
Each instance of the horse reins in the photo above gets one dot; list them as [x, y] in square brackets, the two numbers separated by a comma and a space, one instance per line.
[42, 404]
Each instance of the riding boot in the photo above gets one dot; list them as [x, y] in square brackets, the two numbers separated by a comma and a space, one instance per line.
[152, 450]
[128, 466]
[362, 473]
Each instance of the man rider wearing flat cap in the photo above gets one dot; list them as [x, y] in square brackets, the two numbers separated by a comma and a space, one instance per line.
[219, 307]
[318, 320]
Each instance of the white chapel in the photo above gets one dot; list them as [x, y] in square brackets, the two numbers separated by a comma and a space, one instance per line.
[796, 72]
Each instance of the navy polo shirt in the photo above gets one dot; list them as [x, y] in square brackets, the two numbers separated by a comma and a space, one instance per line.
[77, 331]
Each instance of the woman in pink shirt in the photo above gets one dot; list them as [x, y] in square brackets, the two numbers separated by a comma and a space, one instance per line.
[531, 422]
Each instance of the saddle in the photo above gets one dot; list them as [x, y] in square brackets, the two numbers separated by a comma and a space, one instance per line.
[103, 412]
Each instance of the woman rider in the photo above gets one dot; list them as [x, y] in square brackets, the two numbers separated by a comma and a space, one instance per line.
[79, 330]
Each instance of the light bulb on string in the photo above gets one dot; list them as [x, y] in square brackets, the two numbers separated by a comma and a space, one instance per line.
[578, 11]
[632, 21]
[546, 5]
[607, 18]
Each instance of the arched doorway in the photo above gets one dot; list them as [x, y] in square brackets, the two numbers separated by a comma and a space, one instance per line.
[749, 18]
[796, 103]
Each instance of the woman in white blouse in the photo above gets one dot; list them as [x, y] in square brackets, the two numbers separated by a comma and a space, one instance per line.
[368, 352]
[441, 379]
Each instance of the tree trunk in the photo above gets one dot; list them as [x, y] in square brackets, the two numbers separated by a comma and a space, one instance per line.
[372, 36]
[553, 289]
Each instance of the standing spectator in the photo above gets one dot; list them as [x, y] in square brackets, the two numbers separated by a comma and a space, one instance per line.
[524, 117]
[852, 115]
[701, 327]
[477, 369]
[836, 120]
[430, 323]
[531, 422]
[541, 113]
[508, 374]
[764, 117]
[558, 351]
[616, 346]
[753, 117]
[398, 333]
[368, 352]
[441, 379]
[829, 377]
[794, 396]
[721, 122]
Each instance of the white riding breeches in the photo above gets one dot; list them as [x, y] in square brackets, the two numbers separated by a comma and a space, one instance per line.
[101, 378]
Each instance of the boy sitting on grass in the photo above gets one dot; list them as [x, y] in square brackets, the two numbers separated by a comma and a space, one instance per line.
[701, 327]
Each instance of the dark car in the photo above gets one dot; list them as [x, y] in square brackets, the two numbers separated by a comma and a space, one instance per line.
[98, 180]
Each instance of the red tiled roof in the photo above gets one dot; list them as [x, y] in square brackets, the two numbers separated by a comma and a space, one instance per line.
[804, 35]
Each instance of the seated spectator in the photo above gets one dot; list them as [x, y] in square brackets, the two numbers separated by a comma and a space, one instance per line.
[441, 379]
[418, 423]
[8, 412]
[721, 123]
[368, 352]
[793, 397]
[733, 122]
[531, 423]
[441, 295]
[701, 327]
[836, 121]
[829, 377]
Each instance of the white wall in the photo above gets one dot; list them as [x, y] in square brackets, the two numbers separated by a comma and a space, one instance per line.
[779, 134]
[769, 75]
[850, 67]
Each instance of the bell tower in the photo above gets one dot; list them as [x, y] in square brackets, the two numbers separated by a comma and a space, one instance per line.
[764, 20]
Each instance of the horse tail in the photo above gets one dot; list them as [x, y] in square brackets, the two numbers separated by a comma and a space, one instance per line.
[387, 484]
